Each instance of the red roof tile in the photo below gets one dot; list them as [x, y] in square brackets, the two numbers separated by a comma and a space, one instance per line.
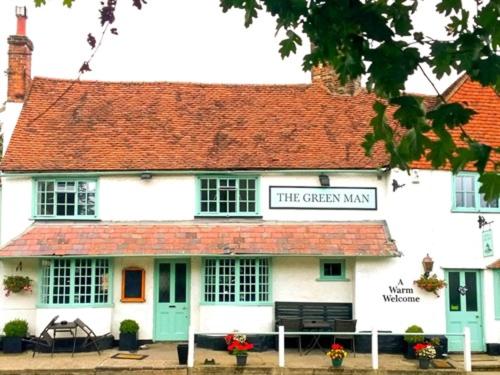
[485, 125]
[104, 126]
[344, 239]
[495, 265]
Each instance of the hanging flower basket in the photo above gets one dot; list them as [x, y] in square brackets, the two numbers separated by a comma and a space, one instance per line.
[430, 283]
[17, 284]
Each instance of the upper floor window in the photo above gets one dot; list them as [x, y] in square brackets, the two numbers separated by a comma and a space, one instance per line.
[81, 281]
[68, 198]
[466, 195]
[227, 196]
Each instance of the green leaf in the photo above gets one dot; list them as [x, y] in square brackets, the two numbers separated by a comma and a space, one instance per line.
[39, 3]
[487, 72]
[289, 44]
[481, 154]
[68, 3]
[410, 111]
[442, 60]
[447, 6]
[490, 185]
[450, 115]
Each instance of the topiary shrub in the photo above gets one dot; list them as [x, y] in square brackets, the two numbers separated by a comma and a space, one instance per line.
[129, 326]
[414, 339]
[16, 328]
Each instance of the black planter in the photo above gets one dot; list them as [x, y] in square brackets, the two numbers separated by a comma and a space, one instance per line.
[493, 349]
[182, 353]
[241, 360]
[128, 341]
[424, 363]
[408, 351]
[12, 345]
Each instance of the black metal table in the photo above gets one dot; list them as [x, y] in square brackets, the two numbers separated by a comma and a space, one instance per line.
[63, 327]
[315, 326]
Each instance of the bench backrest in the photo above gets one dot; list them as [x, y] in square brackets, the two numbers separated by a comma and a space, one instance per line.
[327, 311]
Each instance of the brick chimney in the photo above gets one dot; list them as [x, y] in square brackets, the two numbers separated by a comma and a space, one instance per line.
[325, 76]
[19, 70]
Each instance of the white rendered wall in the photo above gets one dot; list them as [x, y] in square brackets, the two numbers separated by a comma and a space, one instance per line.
[9, 121]
[16, 207]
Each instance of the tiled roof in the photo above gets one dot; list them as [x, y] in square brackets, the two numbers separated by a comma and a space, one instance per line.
[105, 126]
[485, 125]
[495, 265]
[332, 238]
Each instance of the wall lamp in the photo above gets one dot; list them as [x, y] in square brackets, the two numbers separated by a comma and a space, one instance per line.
[146, 176]
[427, 263]
[324, 180]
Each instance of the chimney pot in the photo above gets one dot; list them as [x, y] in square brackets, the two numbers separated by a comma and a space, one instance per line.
[22, 15]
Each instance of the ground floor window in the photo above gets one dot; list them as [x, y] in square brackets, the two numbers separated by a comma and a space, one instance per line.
[230, 280]
[81, 281]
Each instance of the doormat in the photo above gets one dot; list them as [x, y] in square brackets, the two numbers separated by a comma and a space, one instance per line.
[129, 356]
[442, 363]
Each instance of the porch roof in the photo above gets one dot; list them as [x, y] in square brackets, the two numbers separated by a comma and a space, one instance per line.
[495, 265]
[363, 238]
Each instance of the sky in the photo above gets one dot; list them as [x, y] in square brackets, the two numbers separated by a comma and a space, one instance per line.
[168, 40]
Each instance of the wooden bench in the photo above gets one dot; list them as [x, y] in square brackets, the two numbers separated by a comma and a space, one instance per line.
[321, 311]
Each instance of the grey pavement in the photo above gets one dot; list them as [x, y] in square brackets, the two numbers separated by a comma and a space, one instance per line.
[162, 359]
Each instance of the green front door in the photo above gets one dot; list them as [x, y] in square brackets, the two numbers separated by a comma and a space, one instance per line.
[171, 300]
[464, 308]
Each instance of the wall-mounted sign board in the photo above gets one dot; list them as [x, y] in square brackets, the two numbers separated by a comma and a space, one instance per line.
[323, 198]
[487, 236]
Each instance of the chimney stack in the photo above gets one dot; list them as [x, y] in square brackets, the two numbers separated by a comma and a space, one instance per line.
[19, 70]
[325, 76]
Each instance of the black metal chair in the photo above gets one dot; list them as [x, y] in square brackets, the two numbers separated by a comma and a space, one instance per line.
[292, 325]
[91, 338]
[44, 339]
[341, 325]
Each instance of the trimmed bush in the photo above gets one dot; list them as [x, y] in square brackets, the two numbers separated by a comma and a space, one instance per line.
[129, 326]
[16, 328]
[414, 339]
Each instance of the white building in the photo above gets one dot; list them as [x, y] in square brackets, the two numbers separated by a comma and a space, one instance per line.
[176, 204]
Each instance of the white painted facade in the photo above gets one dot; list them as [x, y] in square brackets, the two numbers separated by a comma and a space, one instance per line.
[419, 218]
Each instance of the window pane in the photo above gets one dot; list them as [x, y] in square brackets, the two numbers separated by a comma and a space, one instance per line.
[248, 271]
[465, 191]
[101, 281]
[454, 284]
[164, 283]
[490, 204]
[227, 280]
[210, 280]
[61, 281]
[180, 282]
[227, 195]
[471, 295]
[332, 269]
[82, 286]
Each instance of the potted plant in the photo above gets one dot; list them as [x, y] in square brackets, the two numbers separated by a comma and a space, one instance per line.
[411, 340]
[336, 354]
[15, 331]
[424, 352]
[430, 283]
[17, 284]
[239, 346]
[128, 335]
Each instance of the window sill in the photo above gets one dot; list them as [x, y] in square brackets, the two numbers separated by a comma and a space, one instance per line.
[75, 306]
[330, 280]
[38, 218]
[242, 304]
[475, 211]
[227, 217]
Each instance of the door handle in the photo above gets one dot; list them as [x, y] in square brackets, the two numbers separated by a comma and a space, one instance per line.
[171, 306]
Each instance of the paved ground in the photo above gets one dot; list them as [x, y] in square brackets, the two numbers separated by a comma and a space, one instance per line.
[162, 359]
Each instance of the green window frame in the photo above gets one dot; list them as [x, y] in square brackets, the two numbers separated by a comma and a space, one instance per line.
[466, 196]
[65, 198]
[332, 270]
[227, 196]
[496, 292]
[236, 281]
[76, 282]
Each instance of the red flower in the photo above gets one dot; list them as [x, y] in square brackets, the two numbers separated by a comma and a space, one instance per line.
[337, 347]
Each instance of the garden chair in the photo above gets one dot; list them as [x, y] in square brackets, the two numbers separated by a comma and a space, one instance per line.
[90, 338]
[45, 339]
[344, 325]
[292, 325]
